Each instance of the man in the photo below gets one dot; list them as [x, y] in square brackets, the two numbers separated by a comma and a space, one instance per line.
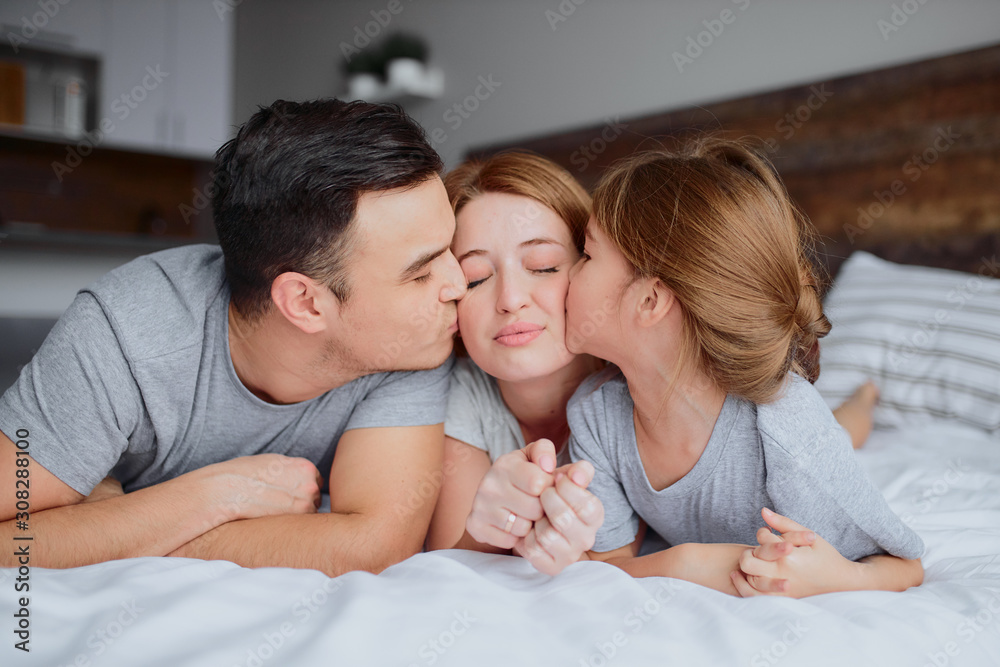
[212, 383]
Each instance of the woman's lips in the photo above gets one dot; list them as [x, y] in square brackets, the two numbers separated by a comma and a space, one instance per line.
[521, 333]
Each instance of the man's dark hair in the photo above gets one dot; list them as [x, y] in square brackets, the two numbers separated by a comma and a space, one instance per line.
[287, 188]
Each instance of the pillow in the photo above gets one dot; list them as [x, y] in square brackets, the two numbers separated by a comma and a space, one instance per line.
[929, 338]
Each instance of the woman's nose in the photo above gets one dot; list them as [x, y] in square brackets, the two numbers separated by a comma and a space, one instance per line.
[514, 294]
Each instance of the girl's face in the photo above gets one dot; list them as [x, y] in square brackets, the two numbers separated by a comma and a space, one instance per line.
[516, 255]
[595, 298]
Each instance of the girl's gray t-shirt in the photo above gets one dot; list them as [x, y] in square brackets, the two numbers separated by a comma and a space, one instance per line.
[790, 456]
[136, 378]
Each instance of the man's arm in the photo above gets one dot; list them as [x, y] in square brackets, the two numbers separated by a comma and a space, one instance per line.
[150, 522]
[383, 487]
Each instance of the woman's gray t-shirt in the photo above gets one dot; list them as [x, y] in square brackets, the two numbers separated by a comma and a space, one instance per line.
[477, 415]
[790, 456]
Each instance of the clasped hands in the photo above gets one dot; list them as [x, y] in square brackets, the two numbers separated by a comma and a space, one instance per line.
[544, 513]
[547, 515]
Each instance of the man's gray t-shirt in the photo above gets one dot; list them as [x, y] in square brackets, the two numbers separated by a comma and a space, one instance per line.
[478, 416]
[136, 379]
[790, 455]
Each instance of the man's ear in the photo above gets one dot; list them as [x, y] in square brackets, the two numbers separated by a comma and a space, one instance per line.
[654, 301]
[302, 301]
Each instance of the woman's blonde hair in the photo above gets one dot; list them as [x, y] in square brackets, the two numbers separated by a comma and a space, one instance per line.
[526, 174]
[713, 222]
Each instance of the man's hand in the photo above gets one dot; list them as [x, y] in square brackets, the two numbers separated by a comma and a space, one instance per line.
[109, 487]
[263, 485]
[795, 563]
[511, 490]
[569, 527]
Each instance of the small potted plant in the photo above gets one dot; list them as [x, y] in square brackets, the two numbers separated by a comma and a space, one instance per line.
[364, 72]
[405, 58]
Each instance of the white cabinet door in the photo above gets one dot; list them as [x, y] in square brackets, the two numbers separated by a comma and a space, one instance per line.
[203, 71]
[166, 66]
[74, 24]
[138, 84]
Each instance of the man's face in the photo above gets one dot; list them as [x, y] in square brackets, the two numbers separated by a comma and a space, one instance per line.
[404, 281]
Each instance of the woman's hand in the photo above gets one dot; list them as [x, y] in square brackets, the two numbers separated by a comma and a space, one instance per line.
[795, 563]
[572, 517]
[508, 500]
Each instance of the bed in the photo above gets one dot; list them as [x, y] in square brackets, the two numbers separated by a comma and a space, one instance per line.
[935, 454]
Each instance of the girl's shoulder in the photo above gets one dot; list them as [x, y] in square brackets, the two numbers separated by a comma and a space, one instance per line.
[799, 419]
[604, 386]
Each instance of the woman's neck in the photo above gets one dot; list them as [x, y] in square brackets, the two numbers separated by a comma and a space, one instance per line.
[539, 404]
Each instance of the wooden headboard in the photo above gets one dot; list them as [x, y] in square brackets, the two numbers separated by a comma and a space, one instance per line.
[904, 161]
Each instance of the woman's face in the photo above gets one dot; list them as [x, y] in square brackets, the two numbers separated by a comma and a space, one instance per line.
[595, 298]
[516, 255]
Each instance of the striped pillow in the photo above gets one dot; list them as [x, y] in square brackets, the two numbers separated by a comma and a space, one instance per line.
[929, 338]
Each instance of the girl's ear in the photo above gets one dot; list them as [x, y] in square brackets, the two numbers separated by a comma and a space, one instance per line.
[654, 301]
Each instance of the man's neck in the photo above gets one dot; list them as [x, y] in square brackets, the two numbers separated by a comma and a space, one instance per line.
[277, 362]
[539, 405]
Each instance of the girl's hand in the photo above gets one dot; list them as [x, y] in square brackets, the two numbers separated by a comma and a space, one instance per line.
[508, 501]
[569, 527]
[796, 563]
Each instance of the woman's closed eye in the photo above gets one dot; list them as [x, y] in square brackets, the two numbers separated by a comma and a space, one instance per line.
[475, 283]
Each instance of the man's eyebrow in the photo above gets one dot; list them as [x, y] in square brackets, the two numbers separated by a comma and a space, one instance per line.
[418, 265]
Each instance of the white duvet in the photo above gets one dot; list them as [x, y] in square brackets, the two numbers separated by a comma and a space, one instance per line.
[462, 608]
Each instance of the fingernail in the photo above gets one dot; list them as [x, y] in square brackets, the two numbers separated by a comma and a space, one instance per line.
[767, 511]
[548, 464]
[810, 536]
[579, 478]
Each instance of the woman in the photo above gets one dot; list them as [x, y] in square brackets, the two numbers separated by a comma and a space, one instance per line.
[521, 222]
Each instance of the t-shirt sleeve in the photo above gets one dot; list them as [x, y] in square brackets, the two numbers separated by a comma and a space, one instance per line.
[77, 398]
[822, 486]
[465, 412]
[588, 438]
[405, 398]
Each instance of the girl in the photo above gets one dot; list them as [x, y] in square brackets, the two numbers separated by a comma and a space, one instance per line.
[521, 223]
[695, 284]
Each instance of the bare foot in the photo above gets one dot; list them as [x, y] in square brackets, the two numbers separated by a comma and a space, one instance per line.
[855, 413]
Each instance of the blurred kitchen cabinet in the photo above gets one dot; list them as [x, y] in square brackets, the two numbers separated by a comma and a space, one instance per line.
[168, 76]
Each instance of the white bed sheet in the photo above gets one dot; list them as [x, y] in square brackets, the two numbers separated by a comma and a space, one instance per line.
[462, 608]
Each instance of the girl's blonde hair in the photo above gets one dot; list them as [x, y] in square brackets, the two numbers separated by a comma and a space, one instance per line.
[526, 174]
[714, 223]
